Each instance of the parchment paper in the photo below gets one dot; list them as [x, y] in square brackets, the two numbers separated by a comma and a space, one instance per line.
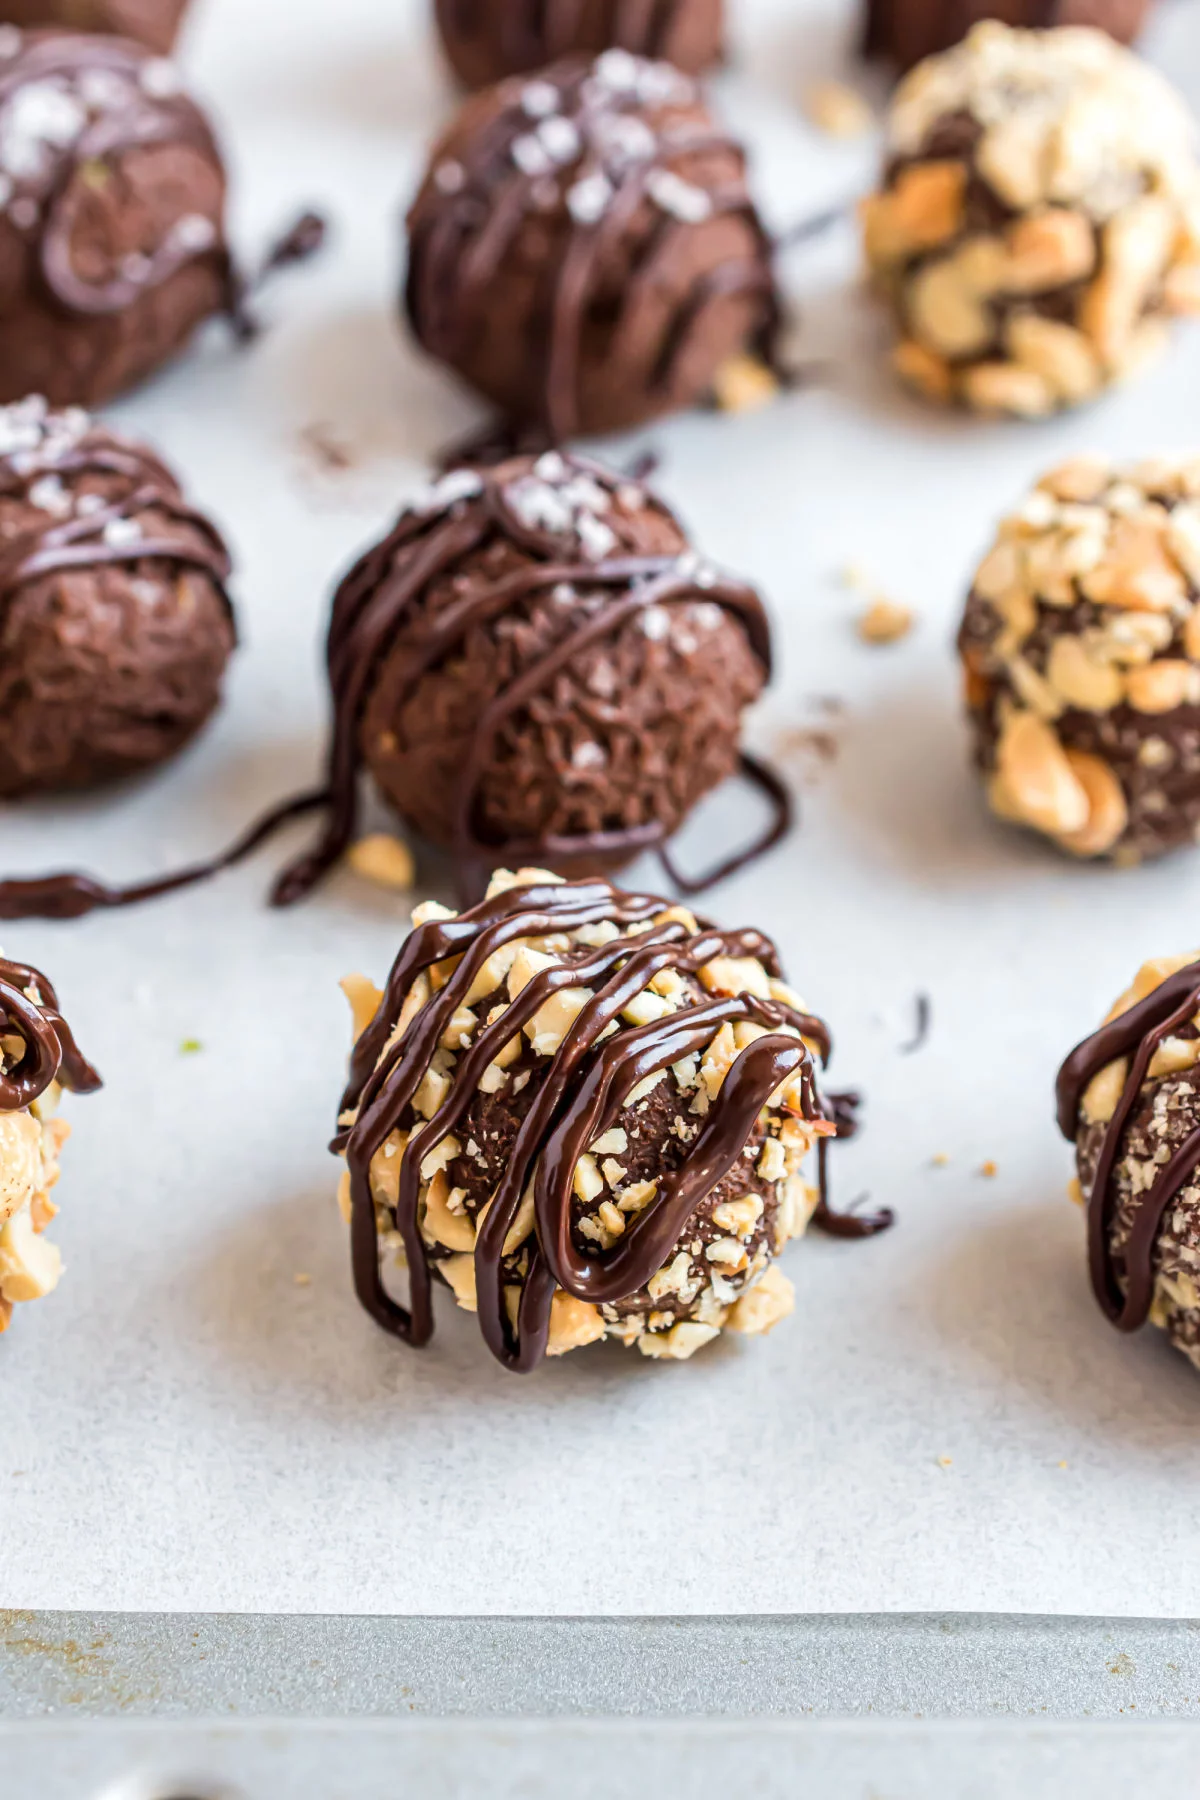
[947, 1422]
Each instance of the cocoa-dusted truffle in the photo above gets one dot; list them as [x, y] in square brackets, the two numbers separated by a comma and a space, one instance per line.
[112, 236]
[485, 40]
[584, 250]
[1129, 1100]
[1038, 221]
[115, 626]
[905, 31]
[154, 23]
[1081, 646]
[586, 1113]
[38, 1058]
[535, 664]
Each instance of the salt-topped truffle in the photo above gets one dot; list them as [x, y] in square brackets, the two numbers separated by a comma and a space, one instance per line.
[115, 626]
[38, 1058]
[485, 40]
[584, 250]
[586, 1113]
[1038, 222]
[154, 23]
[1081, 648]
[534, 664]
[905, 31]
[1129, 1100]
[112, 197]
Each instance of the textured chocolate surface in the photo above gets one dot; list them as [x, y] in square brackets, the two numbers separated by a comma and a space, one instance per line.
[485, 40]
[587, 1112]
[115, 627]
[534, 663]
[1081, 648]
[1129, 1097]
[1038, 220]
[154, 23]
[112, 237]
[904, 31]
[584, 250]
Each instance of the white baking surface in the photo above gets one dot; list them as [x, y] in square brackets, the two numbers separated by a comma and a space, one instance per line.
[947, 1422]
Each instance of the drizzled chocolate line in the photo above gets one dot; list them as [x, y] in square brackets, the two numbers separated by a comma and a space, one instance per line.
[584, 1088]
[51, 1053]
[446, 286]
[1123, 1282]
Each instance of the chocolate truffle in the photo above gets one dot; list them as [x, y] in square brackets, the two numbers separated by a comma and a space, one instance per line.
[1129, 1100]
[112, 237]
[38, 1058]
[586, 1113]
[584, 250]
[1081, 646]
[1038, 219]
[905, 31]
[154, 23]
[534, 663]
[115, 626]
[485, 40]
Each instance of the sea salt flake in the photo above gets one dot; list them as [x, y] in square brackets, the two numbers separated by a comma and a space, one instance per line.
[193, 232]
[160, 78]
[10, 41]
[682, 199]
[589, 199]
[560, 140]
[450, 177]
[529, 155]
[49, 495]
[588, 755]
[539, 506]
[539, 99]
[617, 71]
[119, 534]
[656, 623]
[595, 537]
[41, 116]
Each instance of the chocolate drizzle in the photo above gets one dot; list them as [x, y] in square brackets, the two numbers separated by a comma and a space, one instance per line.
[1123, 1282]
[480, 196]
[581, 1094]
[29, 1010]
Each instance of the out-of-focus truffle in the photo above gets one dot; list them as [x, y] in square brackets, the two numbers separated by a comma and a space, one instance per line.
[1129, 1100]
[1038, 220]
[584, 250]
[1081, 648]
[586, 1113]
[903, 32]
[535, 664]
[112, 234]
[154, 23]
[38, 1057]
[115, 626]
[485, 40]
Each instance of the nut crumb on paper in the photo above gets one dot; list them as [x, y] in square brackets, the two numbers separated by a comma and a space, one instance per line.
[989, 1168]
[838, 109]
[885, 622]
[385, 860]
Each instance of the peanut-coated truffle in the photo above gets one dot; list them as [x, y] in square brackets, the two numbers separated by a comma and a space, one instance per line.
[1081, 647]
[1129, 1100]
[586, 1114]
[535, 665]
[154, 23]
[112, 199]
[485, 40]
[38, 1058]
[115, 627]
[1038, 220]
[584, 251]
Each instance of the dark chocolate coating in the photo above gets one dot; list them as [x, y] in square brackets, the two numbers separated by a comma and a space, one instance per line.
[154, 23]
[566, 1102]
[29, 1010]
[533, 665]
[485, 40]
[584, 250]
[903, 32]
[115, 626]
[112, 238]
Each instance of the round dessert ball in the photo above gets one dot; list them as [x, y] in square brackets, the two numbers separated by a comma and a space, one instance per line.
[38, 1058]
[154, 23]
[115, 626]
[906, 31]
[112, 237]
[1081, 648]
[485, 40]
[1129, 1100]
[1037, 222]
[586, 1114]
[535, 663]
[584, 251]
